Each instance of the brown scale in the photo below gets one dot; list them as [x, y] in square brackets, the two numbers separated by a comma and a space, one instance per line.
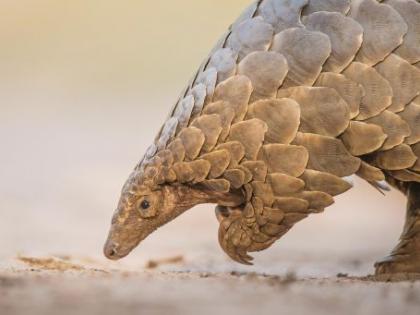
[294, 98]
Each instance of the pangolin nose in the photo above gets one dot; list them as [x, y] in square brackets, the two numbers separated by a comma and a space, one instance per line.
[110, 251]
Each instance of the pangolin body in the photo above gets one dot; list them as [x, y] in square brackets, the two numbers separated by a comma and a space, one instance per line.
[296, 97]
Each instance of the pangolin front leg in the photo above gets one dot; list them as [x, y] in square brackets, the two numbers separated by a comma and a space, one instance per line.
[234, 234]
[244, 231]
[258, 224]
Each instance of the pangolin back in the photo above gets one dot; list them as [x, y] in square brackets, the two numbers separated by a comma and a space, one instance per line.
[294, 98]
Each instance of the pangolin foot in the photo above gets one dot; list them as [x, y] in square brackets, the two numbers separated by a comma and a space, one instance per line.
[234, 239]
[398, 268]
[240, 233]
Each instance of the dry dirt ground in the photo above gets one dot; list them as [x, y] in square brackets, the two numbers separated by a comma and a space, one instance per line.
[59, 286]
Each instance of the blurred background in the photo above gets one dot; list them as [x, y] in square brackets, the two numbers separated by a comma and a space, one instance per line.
[84, 87]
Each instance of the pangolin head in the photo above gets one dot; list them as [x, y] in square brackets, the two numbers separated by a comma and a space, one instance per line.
[149, 199]
[143, 207]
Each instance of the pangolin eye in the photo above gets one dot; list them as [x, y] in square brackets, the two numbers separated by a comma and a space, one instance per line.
[147, 207]
[145, 204]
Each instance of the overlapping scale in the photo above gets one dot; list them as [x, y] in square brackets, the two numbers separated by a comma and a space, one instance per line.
[189, 171]
[219, 161]
[264, 192]
[192, 140]
[370, 173]
[321, 181]
[177, 149]
[266, 70]
[406, 176]
[201, 169]
[383, 27]
[251, 35]
[411, 116]
[226, 114]
[258, 169]
[224, 61]
[217, 185]
[398, 158]
[317, 200]
[351, 91]
[237, 92]
[341, 6]
[199, 92]
[211, 127]
[167, 133]
[287, 159]
[291, 204]
[250, 134]
[282, 117]
[378, 91]
[209, 79]
[345, 34]
[410, 12]
[183, 111]
[403, 78]
[322, 110]
[282, 14]
[236, 177]
[305, 52]
[284, 185]
[372, 135]
[393, 126]
[327, 154]
[236, 151]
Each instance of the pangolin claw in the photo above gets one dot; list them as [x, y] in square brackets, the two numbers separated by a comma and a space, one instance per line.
[235, 240]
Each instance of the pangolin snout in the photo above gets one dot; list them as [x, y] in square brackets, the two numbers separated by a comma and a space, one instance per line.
[111, 251]
[122, 239]
[115, 252]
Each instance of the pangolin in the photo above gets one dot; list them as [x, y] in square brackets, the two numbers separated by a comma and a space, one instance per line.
[295, 98]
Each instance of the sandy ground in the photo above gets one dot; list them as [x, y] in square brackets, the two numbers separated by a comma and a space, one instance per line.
[91, 288]
[200, 293]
